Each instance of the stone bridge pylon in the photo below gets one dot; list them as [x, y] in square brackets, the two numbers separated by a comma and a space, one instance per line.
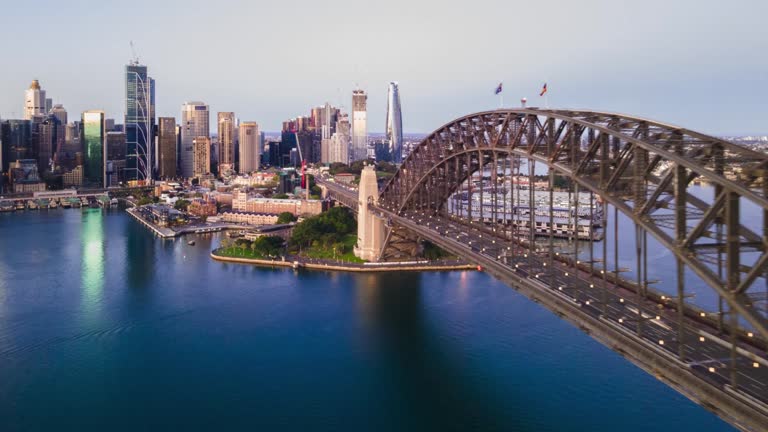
[370, 229]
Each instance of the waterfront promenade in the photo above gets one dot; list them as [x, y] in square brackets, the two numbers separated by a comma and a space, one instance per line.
[332, 265]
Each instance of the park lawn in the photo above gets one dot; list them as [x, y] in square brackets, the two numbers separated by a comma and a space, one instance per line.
[236, 252]
[327, 253]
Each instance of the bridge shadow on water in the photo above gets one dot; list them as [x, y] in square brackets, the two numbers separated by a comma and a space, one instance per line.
[432, 385]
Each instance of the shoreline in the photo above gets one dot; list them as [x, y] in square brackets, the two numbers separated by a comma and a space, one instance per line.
[361, 268]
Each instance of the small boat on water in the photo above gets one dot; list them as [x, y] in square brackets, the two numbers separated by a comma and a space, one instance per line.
[6, 206]
[32, 205]
[20, 205]
[191, 242]
[113, 202]
[53, 204]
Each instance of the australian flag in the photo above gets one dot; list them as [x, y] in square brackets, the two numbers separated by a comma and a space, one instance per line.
[498, 89]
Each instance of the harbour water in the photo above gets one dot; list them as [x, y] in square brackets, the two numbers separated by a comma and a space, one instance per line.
[105, 327]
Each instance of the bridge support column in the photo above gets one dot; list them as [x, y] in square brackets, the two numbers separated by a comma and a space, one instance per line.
[370, 229]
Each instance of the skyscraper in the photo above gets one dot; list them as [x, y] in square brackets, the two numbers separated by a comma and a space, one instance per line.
[139, 120]
[166, 146]
[45, 135]
[226, 132]
[250, 147]
[34, 101]
[339, 148]
[394, 123]
[93, 139]
[359, 125]
[201, 156]
[194, 123]
[60, 113]
[116, 156]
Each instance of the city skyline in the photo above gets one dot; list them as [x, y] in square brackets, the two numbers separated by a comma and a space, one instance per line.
[659, 69]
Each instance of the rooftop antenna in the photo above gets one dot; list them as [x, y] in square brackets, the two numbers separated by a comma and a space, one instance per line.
[134, 57]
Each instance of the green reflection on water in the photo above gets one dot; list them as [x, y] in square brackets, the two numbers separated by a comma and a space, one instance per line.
[92, 272]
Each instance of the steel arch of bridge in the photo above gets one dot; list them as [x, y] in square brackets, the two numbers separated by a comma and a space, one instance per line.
[639, 166]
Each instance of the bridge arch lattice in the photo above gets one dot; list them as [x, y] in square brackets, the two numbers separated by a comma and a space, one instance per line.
[641, 167]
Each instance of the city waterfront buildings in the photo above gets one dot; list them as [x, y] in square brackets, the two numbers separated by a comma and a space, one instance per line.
[16, 138]
[394, 124]
[358, 148]
[226, 135]
[93, 139]
[250, 147]
[139, 122]
[34, 101]
[194, 123]
[24, 176]
[201, 163]
[242, 202]
[166, 147]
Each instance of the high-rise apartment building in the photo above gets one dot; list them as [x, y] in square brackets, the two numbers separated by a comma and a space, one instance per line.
[359, 125]
[201, 156]
[394, 126]
[340, 142]
[93, 139]
[226, 135]
[34, 101]
[250, 147]
[139, 121]
[166, 146]
[194, 123]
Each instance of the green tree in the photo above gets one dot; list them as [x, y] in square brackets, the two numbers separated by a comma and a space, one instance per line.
[285, 217]
[181, 205]
[145, 200]
[280, 196]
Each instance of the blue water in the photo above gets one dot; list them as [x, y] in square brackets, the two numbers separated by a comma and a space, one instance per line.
[104, 327]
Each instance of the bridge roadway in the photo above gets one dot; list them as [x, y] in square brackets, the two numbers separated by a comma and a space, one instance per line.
[647, 335]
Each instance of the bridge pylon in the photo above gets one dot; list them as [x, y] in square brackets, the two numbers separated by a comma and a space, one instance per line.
[370, 229]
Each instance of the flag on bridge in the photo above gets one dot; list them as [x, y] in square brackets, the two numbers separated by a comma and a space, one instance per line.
[498, 89]
[543, 90]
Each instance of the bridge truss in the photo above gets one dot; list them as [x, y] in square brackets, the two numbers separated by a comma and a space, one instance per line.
[639, 170]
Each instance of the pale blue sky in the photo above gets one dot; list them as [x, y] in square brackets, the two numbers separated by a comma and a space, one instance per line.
[700, 64]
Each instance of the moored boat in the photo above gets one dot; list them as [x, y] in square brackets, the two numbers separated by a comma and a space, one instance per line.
[6, 206]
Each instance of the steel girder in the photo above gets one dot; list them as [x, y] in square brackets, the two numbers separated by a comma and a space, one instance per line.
[641, 167]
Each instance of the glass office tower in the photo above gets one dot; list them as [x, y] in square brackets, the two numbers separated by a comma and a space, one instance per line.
[93, 139]
[139, 121]
[394, 123]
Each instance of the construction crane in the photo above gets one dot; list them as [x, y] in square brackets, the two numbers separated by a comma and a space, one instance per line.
[134, 57]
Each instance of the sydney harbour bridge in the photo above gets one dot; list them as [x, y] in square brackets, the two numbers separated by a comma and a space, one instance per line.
[644, 186]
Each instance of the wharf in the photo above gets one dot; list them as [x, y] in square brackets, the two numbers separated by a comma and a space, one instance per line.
[166, 232]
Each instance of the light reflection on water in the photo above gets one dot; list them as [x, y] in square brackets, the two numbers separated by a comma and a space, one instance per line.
[92, 271]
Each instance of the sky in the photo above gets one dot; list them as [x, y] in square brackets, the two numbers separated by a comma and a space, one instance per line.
[700, 64]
